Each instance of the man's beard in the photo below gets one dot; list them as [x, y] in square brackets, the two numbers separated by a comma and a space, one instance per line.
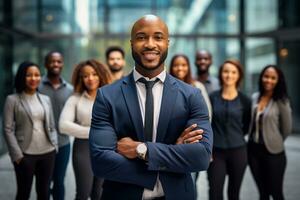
[201, 71]
[115, 69]
[52, 73]
[139, 62]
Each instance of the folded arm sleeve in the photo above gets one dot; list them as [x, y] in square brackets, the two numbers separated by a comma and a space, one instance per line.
[246, 113]
[54, 137]
[185, 158]
[285, 117]
[67, 123]
[106, 162]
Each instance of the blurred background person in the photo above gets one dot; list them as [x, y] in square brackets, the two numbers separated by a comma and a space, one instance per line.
[75, 120]
[59, 90]
[270, 125]
[230, 122]
[180, 68]
[203, 61]
[30, 133]
[115, 59]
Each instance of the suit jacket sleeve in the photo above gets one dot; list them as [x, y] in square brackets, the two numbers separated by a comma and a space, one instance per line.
[9, 129]
[106, 162]
[185, 158]
[246, 112]
[285, 117]
[51, 125]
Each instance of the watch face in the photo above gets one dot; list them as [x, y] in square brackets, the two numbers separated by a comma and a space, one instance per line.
[141, 148]
[141, 151]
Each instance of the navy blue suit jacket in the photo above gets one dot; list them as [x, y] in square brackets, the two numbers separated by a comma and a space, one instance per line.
[116, 114]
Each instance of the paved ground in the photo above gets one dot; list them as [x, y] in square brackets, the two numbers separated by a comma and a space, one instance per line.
[248, 191]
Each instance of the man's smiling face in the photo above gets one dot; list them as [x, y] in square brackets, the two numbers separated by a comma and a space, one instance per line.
[149, 43]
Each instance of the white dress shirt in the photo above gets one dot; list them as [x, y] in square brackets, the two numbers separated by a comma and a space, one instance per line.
[157, 91]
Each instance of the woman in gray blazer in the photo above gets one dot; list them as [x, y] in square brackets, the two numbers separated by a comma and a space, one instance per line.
[30, 133]
[271, 123]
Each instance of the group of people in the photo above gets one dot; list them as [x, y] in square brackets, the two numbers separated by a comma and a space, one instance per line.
[266, 119]
[146, 135]
[44, 112]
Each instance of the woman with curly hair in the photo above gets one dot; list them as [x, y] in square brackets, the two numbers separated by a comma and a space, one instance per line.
[75, 120]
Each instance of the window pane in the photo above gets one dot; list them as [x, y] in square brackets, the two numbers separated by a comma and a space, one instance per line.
[259, 53]
[58, 16]
[25, 12]
[206, 16]
[261, 15]
[181, 46]
[122, 14]
[1, 11]
[289, 62]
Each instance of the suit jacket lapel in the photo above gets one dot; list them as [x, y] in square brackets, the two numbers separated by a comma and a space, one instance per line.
[131, 100]
[26, 106]
[46, 110]
[167, 105]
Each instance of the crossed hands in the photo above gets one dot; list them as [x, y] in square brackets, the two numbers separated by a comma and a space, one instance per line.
[189, 135]
[127, 146]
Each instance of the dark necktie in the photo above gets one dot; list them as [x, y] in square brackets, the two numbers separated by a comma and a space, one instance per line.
[148, 124]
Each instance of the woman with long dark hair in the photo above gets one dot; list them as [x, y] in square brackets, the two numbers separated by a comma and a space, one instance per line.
[30, 133]
[270, 125]
[180, 68]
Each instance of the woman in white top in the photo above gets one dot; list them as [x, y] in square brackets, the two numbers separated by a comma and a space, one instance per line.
[30, 133]
[75, 120]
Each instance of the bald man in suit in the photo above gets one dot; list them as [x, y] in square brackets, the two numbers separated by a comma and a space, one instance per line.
[149, 130]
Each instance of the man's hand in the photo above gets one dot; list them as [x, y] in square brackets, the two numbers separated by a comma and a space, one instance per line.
[127, 147]
[189, 135]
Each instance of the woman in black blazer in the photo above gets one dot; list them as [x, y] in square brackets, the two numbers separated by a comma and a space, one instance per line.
[230, 121]
[270, 125]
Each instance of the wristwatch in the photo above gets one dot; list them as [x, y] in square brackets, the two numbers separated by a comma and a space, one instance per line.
[141, 151]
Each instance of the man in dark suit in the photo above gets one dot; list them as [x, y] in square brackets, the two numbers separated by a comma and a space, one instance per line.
[149, 130]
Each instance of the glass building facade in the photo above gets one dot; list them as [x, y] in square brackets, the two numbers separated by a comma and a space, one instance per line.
[256, 32]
